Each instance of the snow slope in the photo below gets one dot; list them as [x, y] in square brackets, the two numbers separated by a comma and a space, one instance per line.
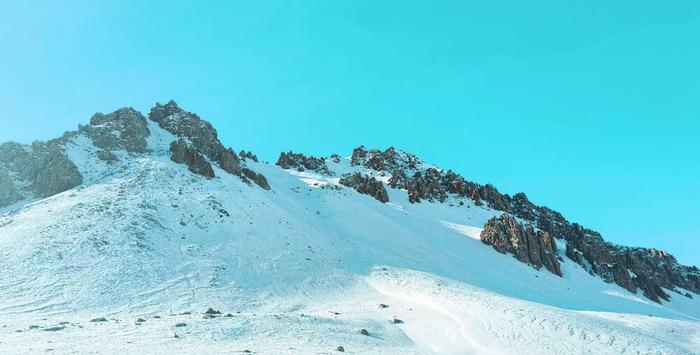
[301, 269]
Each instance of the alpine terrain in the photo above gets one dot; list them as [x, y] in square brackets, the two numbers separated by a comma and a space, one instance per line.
[145, 234]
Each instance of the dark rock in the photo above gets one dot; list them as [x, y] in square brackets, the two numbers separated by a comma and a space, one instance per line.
[364, 332]
[389, 160]
[340, 349]
[54, 329]
[631, 268]
[397, 321]
[107, 156]
[248, 155]
[257, 178]
[183, 153]
[302, 162]
[382, 305]
[212, 312]
[98, 320]
[200, 132]
[367, 185]
[131, 128]
[528, 245]
[180, 325]
[203, 137]
[43, 168]
[687, 294]
[8, 192]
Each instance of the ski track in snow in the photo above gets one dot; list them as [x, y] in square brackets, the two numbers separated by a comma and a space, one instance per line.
[301, 269]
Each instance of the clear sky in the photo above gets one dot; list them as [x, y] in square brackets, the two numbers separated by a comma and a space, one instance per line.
[590, 107]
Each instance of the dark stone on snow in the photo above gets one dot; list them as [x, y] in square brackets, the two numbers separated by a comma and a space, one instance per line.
[257, 178]
[301, 162]
[43, 168]
[183, 153]
[212, 312]
[528, 245]
[129, 125]
[367, 185]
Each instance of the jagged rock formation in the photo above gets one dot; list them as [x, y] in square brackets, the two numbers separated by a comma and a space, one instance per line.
[631, 268]
[367, 185]
[248, 155]
[183, 153]
[124, 129]
[301, 162]
[8, 192]
[528, 245]
[200, 132]
[257, 178]
[390, 160]
[40, 170]
[202, 135]
[107, 156]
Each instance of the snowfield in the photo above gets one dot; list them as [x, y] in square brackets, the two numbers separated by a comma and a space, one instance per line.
[149, 247]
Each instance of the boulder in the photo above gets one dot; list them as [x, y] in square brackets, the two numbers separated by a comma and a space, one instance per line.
[367, 185]
[534, 247]
[183, 153]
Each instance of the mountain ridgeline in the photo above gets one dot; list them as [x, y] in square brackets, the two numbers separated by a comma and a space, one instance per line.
[535, 235]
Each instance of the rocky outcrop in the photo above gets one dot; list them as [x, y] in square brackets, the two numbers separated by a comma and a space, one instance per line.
[201, 134]
[367, 185]
[632, 268]
[8, 192]
[301, 162]
[527, 244]
[124, 129]
[203, 137]
[248, 155]
[43, 168]
[107, 156]
[257, 178]
[390, 160]
[183, 153]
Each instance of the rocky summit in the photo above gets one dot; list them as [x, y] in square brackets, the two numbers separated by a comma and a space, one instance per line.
[148, 228]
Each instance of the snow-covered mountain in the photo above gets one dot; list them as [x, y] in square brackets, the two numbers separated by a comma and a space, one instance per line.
[120, 236]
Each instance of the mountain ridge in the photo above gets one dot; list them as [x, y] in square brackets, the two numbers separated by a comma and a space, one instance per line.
[632, 268]
[165, 221]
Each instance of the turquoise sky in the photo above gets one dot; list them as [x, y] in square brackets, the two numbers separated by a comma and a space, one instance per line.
[590, 107]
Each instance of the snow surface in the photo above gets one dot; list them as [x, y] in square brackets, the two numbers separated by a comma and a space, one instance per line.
[300, 269]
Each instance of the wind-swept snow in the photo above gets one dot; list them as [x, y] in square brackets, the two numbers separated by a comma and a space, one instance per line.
[306, 267]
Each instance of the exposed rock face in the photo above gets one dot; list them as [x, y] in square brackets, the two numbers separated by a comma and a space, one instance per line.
[182, 153]
[302, 162]
[367, 185]
[433, 185]
[389, 160]
[248, 155]
[107, 156]
[200, 132]
[203, 137]
[528, 245]
[257, 178]
[8, 192]
[631, 268]
[124, 129]
[43, 168]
